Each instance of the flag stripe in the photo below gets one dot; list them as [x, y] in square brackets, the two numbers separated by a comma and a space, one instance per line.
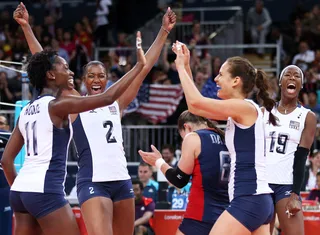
[157, 102]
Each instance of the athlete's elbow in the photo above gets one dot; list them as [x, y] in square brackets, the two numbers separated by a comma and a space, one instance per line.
[4, 163]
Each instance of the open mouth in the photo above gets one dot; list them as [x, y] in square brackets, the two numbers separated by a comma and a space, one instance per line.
[96, 89]
[291, 88]
[71, 82]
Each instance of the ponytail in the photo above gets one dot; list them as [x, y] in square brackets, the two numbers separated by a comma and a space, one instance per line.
[263, 95]
[186, 116]
[213, 125]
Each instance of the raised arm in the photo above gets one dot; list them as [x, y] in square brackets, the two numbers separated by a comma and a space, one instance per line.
[63, 106]
[152, 55]
[21, 15]
[238, 109]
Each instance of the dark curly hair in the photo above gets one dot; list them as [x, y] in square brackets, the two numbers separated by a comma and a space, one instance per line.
[38, 65]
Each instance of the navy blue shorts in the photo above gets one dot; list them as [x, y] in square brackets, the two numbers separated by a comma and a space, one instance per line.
[252, 211]
[36, 204]
[191, 227]
[280, 191]
[115, 190]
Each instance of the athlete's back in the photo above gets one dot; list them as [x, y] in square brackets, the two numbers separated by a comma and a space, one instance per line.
[282, 142]
[46, 148]
[208, 196]
[98, 137]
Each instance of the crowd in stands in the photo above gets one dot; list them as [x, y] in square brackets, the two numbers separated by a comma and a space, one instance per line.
[76, 46]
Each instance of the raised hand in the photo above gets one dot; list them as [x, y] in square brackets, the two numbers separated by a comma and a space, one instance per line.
[185, 51]
[21, 15]
[150, 157]
[169, 20]
[140, 53]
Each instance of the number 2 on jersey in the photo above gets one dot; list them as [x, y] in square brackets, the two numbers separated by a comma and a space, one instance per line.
[109, 137]
[33, 130]
[281, 142]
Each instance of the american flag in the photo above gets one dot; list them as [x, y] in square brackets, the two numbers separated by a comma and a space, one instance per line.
[156, 102]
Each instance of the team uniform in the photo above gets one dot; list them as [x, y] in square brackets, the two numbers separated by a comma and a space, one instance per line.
[208, 196]
[281, 143]
[38, 189]
[102, 163]
[249, 193]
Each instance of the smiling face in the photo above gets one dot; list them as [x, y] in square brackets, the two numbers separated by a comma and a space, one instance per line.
[291, 82]
[224, 82]
[95, 79]
[62, 74]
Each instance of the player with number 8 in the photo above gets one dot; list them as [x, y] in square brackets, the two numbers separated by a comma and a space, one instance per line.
[205, 158]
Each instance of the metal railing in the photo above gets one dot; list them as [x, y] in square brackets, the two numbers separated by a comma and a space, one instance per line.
[218, 50]
[141, 137]
[209, 26]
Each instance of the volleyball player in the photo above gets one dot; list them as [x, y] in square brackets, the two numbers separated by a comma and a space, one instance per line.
[250, 209]
[44, 126]
[103, 183]
[287, 148]
[205, 158]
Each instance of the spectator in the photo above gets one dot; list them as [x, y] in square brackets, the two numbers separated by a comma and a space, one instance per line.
[5, 209]
[309, 86]
[304, 57]
[102, 13]
[168, 64]
[4, 126]
[150, 187]
[167, 152]
[83, 36]
[200, 79]
[313, 169]
[61, 52]
[123, 55]
[5, 93]
[68, 44]
[287, 46]
[144, 209]
[258, 22]
[313, 104]
[197, 37]
[178, 198]
[315, 193]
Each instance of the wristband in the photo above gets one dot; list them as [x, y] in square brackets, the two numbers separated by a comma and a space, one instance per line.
[159, 163]
[165, 30]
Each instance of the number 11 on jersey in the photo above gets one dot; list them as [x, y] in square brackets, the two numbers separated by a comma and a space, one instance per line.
[33, 129]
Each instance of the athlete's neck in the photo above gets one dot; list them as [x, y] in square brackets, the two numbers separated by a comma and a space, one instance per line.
[288, 103]
[199, 127]
[47, 91]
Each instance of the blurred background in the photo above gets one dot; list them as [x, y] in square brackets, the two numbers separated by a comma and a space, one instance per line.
[270, 33]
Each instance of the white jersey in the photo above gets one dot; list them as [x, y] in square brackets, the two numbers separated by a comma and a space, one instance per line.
[98, 137]
[246, 146]
[46, 150]
[282, 142]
